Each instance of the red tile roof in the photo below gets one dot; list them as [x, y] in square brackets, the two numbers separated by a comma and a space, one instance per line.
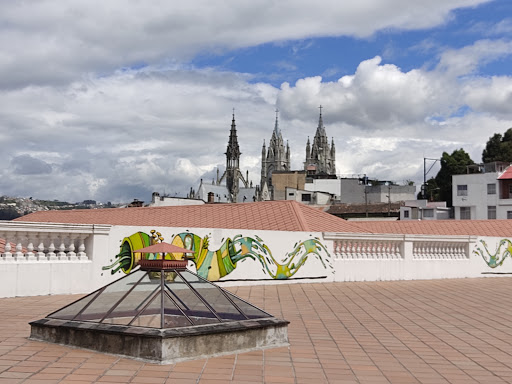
[441, 227]
[267, 215]
[507, 175]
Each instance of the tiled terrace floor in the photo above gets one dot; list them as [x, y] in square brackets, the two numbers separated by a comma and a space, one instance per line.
[442, 331]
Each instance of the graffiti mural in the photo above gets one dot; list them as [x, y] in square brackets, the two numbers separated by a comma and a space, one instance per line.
[216, 264]
[499, 256]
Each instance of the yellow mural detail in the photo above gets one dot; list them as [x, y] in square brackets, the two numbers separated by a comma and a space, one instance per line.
[214, 265]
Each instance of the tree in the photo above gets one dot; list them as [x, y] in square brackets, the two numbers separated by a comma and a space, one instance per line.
[454, 164]
[431, 191]
[498, 148]
[8, 213]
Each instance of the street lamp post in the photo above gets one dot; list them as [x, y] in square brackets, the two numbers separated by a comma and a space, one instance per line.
[425, 172]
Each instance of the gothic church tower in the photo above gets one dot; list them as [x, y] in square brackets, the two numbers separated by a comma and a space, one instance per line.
[232, 173]
[321, 157]
[276, 158]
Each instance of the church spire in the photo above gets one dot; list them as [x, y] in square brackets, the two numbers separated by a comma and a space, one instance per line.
[276, 127]
[320, 156]
[320, 131]
[233, 160]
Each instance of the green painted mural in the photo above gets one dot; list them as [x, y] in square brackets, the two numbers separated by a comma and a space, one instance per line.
[499, 256]
[214, 265]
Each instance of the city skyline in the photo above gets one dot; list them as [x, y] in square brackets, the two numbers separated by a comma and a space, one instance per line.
[116, 101]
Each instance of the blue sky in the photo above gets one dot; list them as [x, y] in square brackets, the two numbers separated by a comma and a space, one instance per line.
[333, 57]
[116, 101]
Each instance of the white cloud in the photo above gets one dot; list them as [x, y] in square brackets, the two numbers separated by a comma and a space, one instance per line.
[464, 61]
[45, 42]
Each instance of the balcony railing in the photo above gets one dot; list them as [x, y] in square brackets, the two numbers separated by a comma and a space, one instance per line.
[47, 242]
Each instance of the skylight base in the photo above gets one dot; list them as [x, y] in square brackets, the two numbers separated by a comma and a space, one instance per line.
[165, 346]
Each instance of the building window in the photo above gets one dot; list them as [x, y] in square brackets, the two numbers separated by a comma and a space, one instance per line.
[306, 197]
[462, 190]
[491, 189]
[509, 215]
[406, 214]
[465, 213]
[491, 212]
[428, 213]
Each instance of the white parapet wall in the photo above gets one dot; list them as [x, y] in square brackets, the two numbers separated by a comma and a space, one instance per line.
[371, 257]
[52, 258]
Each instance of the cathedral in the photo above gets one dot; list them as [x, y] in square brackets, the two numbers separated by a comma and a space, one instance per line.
[320, 161]
[320, 158]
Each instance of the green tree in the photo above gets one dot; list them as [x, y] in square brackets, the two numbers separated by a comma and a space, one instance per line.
[454, 164]
[431, 191]
[498, 148]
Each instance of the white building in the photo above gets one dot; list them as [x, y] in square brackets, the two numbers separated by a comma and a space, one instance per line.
[483, 195]
[354, 191]
[424, 210]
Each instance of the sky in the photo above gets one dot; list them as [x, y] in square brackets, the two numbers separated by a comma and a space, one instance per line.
[114, 100]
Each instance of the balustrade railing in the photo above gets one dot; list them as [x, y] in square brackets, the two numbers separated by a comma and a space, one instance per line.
[439, 250]
[348, 246]
[367, 249]
[46, 242]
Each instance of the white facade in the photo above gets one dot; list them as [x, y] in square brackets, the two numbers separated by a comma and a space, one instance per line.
[481, 196]
[424, 210]
[353, 191]
[308, 197]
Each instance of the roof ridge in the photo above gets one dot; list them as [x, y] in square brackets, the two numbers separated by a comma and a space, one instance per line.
[297, 209]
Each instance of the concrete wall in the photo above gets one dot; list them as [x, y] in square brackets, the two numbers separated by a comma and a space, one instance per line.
[351, 191]
[30, 271]
[281, 180]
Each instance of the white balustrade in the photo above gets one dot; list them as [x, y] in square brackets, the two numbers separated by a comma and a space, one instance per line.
[367, 249]
[440, 250]
[46, 242]
[348, 246]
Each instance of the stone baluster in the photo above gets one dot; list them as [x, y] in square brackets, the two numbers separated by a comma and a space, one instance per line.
[426, 251]
[71, 250]
[82, 256]
[370, 251]
[7, 255]
[19, 257]
[378, 249]
[62, 248]
[435, 252]
[40, 251]
[388, 250]
[374, 249]
[343, 249]
[462, 251]
[392, 251]
[30, 251]
[353, 250]
[51, 254]
[441, 248]
[362, 245]
[417, 250]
